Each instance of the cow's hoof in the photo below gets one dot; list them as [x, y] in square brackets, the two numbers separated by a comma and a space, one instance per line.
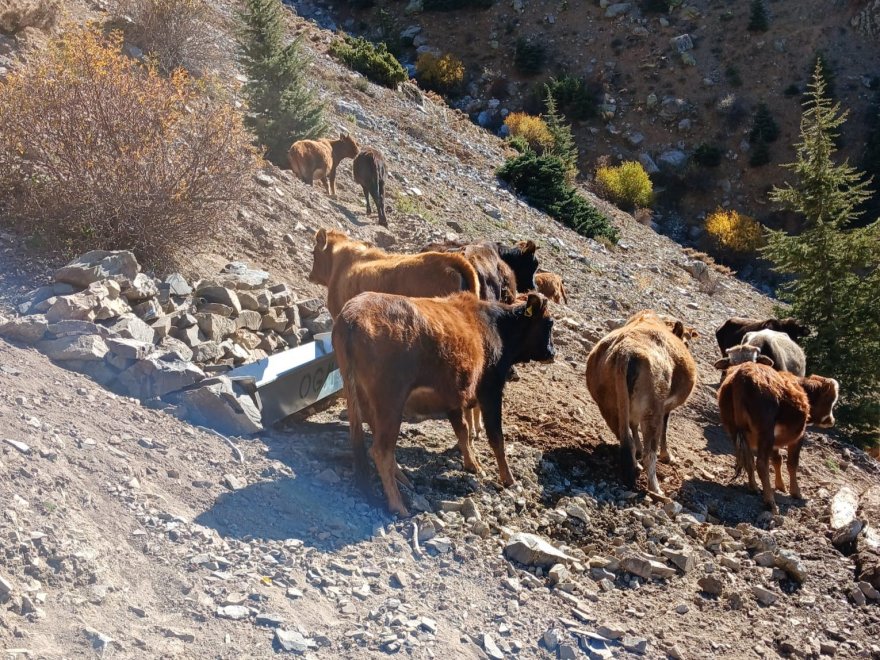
[402, 479]
[666, 458]
[659, 496]
[797, 494]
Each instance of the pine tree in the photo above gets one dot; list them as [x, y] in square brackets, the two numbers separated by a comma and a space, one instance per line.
[758, 21]
[564, 145]
[282, 107]
[833, 270]
[764, 127]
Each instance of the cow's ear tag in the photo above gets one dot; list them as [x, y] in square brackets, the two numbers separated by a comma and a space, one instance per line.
[528, 311]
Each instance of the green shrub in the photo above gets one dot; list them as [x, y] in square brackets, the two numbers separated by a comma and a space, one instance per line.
[454, 5]
[528, 57]
[564, 146]
[519, 143]
[442, 74]
[573, 97]
[758, 21]
[733, 77]
[792, 90]
[542, 181]
[708, 155]
[764, 127]
[760, 154]
[372, 60]
[283, 108]
[654, 6]
[627, 185]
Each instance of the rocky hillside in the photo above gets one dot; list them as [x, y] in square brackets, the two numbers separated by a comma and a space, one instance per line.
[664, 83]
[133, 534]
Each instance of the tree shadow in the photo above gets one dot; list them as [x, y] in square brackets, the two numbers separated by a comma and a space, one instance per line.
[731, 503]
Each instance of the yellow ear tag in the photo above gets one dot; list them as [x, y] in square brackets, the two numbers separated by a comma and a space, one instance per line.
[528, 311]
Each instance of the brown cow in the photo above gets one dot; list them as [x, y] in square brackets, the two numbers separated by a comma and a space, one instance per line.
[764, 410]
[638, 374]
[368, 170]
[497, 279]
[550, 284]
[318, 159]
[429, 356]
[347, 267]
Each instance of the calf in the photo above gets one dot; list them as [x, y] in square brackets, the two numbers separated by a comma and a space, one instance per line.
[369, 172]
[781, 349]
[497, 280]
[638, 374]
[550, 284]
[731, 332]
[318, 159]
[429, 356]
[522, 260]
[347, 267]
[763, 411]
[741, 354]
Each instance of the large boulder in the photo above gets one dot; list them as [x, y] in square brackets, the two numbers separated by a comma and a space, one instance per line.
[97, 265]
[129, 349]
[155, 377]
[239, 275]
[214, 293]
[257, 301]
[25, 329]
[141, 288]
[74, 347]
[218, 406]
[532, 550]
[131, 327]
[177, 285]
[323, 322]
[215, 327]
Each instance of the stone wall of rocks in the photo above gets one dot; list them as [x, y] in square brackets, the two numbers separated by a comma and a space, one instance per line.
[148, 338]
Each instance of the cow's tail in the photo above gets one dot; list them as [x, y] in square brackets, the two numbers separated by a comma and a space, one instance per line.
[344, 334]
[625, 383]
[562, 290]
[743, 453]
[470, 281]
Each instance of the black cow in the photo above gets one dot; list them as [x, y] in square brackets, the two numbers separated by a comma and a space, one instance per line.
[731, 332]
[521, 258]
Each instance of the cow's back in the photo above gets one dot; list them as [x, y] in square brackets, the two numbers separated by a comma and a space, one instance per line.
[429, 274]
[782, 349]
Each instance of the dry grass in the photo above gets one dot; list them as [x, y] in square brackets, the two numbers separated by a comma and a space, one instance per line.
[709, 261]
[17, 15]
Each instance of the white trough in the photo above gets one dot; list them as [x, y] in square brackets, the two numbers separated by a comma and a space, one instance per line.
[287, 382]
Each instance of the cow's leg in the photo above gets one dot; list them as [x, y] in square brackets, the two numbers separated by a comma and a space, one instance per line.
[385, 432]
[401, 477]
[367, 197]
[637, 443]
[791, 461]
[777, 468]
[326, 185]
[491, 406]
[665, 456]
[652, 429]
[457, 419]
[765, 446]
[332, 187]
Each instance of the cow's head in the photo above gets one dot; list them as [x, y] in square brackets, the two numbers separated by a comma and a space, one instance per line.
[521, 258]
[790, 326]
[346, 146]
[741, 354]
[537, 338]
[684, 332]
[322, 258]
[822, 393]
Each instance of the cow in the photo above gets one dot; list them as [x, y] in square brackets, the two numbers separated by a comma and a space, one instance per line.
[550, 284]
[522, 260]
[763, 411]
[740, 354]
[781, 349]
[318, 159]
[731, 332]
[497, 280]
[348, 267]
[429, 356]
[638, 374]
[368, 170]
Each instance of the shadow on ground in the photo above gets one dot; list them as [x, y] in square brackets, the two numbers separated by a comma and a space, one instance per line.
[731, 503]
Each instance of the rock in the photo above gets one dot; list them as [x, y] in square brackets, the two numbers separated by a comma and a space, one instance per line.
[320, 324]
[293, 641]
[648, 163]
[97, 265]
[845, 527]
[673, 160]
[682, 559]
[190, 336]
[239, 275]
[220, 294]
[215, 327]
[328, 476]
[440, 544]
[574, 510]
[637, 566]
[78, 306]
[274, 320]
[178, 286]
[711, 585]
[256, 301]
[129, 349]
[310, 308]
[6, 588]
[26, 329]
[74, 347]
[156, 377]
[234, 612]
[148, 311]
[634, 644]
[249, 320]
[170, 349]
[399, 580]
[141, 288]
[682, 43]
[532, 550]
[23, 448]
[558, 573]
[217, 406]
[764, 596]
[269, 620]
[551, 638]
[161, 326]
[98, 640]
[131, 327]
[791, 563]
[618, 9]
[207, 351]
[491, 648]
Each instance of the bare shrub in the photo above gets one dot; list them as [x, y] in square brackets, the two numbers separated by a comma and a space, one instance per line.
[16, 15]
[644, 216]
[177, 33]
[99, 151]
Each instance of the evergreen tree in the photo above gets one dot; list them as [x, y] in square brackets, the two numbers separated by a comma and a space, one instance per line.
[870, 162]
[764, 127]
[564, 145]
[833, 270]
[758, 21]
[282, 107]
[821, 60]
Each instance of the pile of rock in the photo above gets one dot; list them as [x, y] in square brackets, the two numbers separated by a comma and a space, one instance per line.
[146, 338]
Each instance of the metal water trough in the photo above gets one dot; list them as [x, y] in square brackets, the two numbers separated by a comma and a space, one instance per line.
[292, 380]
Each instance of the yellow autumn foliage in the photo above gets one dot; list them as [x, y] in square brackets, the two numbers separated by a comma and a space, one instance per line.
[734, 231]
[99, 151]
[627, 185]
[443, 74]
[532, 129]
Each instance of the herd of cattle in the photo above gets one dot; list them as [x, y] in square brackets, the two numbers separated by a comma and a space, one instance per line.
[439, 332]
